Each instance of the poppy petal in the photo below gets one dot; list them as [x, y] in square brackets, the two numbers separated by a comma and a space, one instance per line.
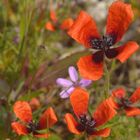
[34, 103]
[104, 113]
[118, 93]
[64, 82]
[23, 111]
[53, 16]
[84, 29]
[47, 119]
[120, 16]
[73, 74]
[41, 135]
[71, 123]
[66, 24]
[135, 96]
[127, 50]
[79, 101]
[89, 69]
[66, 93]
[19, 128]
[132, 111]
[102, 133]
[112, 103]
[49, 26]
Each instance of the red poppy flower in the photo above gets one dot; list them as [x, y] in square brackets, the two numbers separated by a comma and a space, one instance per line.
[53, 16]
[24, 113]
[66, 24]
[50, 25]
[79, 100]
[54, 23]
[84, 31]
[118, 100]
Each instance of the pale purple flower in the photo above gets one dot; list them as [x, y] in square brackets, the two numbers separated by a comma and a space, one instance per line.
[69, 85]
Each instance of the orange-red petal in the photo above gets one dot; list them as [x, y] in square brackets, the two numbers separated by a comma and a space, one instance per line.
[135, 96]
[47, 119]
[66, 24]
[112, 102]
[19, 128]
[34, 103]
[119, 18]
[79, 101]
[104, 113]
[49, 26]
[118, 93]
[83, 29]
[132, 111]
[71, 123]
[127, 50]
[53, 16]
[42, 135]
[89, 69]
[102, 133]
[23, 111]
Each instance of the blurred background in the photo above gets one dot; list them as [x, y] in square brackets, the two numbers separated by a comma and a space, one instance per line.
[32, 58]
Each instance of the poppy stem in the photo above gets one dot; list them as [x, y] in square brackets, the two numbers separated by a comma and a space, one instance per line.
[107, 81]
[87, 137]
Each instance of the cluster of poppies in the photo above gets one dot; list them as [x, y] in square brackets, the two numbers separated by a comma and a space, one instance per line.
[83, 29]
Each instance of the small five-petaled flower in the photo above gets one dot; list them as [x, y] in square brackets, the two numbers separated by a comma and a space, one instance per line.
[74, 82]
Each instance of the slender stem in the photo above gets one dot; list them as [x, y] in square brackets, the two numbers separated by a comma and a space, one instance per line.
[107, 81]
[107, 77]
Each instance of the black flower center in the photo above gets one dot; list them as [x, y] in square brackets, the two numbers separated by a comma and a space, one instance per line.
[32, 127]
[103, 43]
[86, 124]
[124, 103]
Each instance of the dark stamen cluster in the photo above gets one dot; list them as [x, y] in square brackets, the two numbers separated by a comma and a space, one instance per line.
[86, 124]
[102, 44]
[32, 127]
[124, 103]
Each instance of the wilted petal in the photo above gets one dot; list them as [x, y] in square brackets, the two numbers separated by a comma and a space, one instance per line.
[63, 82]
[85, 82]
[66, 93]
[73, 74]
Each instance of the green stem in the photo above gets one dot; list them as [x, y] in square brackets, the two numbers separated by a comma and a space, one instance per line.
[107, 81]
